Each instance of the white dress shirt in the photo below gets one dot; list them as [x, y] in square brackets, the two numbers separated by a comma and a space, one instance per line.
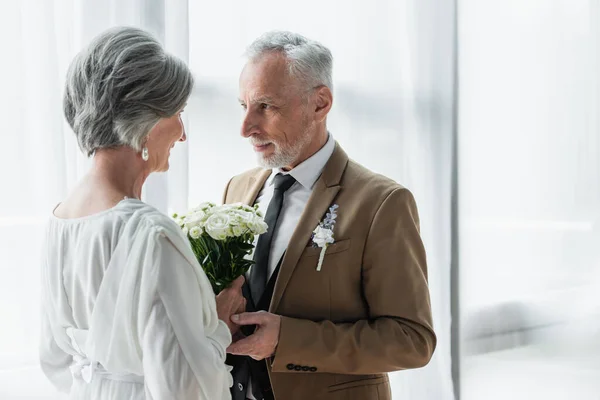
[294, 201]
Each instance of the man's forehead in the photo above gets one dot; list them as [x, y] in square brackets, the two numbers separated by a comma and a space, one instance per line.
[265, 87]
[262, 93]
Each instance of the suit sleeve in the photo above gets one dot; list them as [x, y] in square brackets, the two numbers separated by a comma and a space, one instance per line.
[398, 333]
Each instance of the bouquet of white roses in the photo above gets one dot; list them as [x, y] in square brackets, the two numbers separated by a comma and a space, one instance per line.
[221, 238]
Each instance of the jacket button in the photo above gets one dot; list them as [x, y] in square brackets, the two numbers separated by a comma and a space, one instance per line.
[241, 387]
[305, 369]
[313, 369]
[298, 368]
[290, 366]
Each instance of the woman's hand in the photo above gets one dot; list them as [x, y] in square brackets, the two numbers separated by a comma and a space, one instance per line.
[231, 301]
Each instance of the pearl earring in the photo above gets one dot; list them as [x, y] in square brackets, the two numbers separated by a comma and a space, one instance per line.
[145, 155]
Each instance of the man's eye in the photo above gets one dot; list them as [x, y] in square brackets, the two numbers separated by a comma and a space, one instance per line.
[264, 106]
[243, 106]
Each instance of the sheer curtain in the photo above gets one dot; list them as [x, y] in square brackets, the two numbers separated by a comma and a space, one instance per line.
[529, 174]
[393, 75]
[40, 160]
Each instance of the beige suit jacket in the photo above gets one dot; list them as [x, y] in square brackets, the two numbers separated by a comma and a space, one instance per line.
[367, 312]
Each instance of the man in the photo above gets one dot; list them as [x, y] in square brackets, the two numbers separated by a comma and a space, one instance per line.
[328, 326]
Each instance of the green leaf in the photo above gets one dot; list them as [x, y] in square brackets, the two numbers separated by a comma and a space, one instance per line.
[223, 261]
[246, 246]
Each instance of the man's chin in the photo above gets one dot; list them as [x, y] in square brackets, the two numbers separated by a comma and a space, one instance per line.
[263, 162]
[275, 159]
[267, 162]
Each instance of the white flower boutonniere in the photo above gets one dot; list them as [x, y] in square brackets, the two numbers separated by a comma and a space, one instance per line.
[323, 234]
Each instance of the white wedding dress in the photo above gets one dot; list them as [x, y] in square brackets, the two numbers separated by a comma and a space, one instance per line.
[128, 312]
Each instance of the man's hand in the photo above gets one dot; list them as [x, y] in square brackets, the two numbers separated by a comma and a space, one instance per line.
[230, 301]
[237, 336]
[263, 342]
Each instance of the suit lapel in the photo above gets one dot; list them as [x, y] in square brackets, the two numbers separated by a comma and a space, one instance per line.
[255, 184]
[324, 193]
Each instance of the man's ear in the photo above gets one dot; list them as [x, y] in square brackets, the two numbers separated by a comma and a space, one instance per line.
[323, 103]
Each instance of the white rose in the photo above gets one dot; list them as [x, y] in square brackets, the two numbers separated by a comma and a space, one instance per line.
[246, 216]
[235, 217]
[238, 230]
[257, 225]
[240, 217]
[195, 232]
[322, 236]
[185, 230]
[242, 209]
[196, 218]
[247, 208]
[204, 207]
[178, 219]
[217, 226]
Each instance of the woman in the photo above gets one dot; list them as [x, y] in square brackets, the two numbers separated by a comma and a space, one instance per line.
[127, 311]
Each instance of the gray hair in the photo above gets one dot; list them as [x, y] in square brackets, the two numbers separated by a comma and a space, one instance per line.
[308, 60]
[120, 86]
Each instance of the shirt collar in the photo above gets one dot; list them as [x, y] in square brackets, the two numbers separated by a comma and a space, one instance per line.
[310, 169]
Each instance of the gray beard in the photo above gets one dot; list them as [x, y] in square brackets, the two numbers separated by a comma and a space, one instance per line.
[281, 158]
[277, 160]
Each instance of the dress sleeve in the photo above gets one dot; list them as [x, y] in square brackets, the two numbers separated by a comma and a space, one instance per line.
[54, 361]
[183, 341]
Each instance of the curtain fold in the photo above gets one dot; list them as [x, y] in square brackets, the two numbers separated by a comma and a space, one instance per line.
[425, 148]
[529, 173]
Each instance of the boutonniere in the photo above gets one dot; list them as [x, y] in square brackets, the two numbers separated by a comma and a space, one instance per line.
[322, 236]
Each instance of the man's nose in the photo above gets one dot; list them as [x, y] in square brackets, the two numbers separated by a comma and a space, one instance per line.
[249, 125]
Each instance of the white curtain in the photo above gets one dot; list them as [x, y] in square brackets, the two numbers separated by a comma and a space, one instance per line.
[40, 160]
[393, 76]
[529, 173]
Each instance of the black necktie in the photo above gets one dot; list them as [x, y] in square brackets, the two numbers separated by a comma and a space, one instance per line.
[260, 270]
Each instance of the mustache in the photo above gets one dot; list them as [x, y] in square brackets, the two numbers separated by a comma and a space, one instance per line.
[258, 142]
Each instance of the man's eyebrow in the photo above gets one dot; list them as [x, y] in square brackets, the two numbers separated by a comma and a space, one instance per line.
[263, 99]
[260, 99]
